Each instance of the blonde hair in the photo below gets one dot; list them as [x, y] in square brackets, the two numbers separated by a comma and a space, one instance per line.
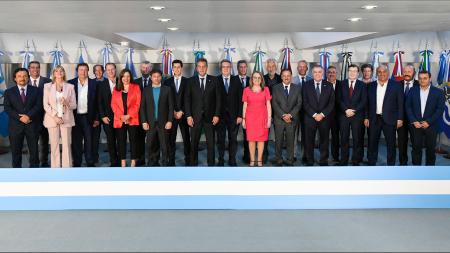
[59, 67]
[263, 83]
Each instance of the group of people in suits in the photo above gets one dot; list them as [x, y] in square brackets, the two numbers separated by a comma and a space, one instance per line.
[147, 114]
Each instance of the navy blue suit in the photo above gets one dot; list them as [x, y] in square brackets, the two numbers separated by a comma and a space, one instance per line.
[357, 102]
[433, 112]
[83, 130]
[393, 110]
[17, 130]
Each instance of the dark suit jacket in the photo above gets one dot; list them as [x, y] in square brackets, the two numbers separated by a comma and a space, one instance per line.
[393, 103]
[358, 101]
[104, 94]
[231, 101]
[141, 85]
[247, 81]
[14, 106]
[177, 96]
[92, 98]
[433, 110]
[402, 83]
[165, 106]
[42, 80]
[326, 102]
[272, 82]
[199, 104]
[286, 105]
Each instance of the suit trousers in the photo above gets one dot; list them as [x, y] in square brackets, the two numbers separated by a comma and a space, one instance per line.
[65, 134]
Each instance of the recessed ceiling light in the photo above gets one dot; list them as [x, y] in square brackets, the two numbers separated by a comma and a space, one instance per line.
[157, 8]
[328, 28]
[369, 7]
[173, 28]
[354, 19]
[164, 19]
[124, 43]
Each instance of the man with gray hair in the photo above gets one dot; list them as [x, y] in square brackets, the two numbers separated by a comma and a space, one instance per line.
[271, 78]
[143, 81]
[385, 113]
[402, 133]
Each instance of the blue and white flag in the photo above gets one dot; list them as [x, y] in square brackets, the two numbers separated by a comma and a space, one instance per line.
[56, 56]
[198, 53]
[166, 59]
[80, 58]
[129, 62]
[443, 61]
[324, 61]
[286, 51]
[375, 63]
[106, 51]
[27, 56]
[3, 116]
[346, 62]
[228, 50]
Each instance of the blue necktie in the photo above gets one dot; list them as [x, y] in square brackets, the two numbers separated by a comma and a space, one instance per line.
[202, 83]
[407, 88]
[176, 85]
[226, 85]
[286, 90]
[318, 90]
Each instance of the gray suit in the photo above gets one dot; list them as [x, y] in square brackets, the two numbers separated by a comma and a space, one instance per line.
[282, 104]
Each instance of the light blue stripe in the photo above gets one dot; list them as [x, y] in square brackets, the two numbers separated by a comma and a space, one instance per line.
[225, 202]
[235, 173]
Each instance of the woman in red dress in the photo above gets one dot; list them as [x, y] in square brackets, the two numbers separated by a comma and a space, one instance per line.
[256, 115]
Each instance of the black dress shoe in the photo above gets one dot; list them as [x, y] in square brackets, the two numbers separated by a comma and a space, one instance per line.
[289, 163]
[221, 163]
[279, 163]
[45, 165]
[232, 164]
[323, 164]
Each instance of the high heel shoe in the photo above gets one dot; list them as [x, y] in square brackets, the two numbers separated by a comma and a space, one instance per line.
[260, 163]
[252, 164]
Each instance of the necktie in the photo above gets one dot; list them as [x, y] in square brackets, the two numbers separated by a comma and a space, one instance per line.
[407, 88]
[202, 83]
[318, 90]
[226, 84]
[243, 82]
[22, 95]
[176, 84]
[34, 83]
[350, 90]
[303, 80]
[286, 90]
[145, 82]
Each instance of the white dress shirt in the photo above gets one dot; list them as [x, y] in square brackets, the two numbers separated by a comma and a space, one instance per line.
[320, 89]
[59, 106]
[288, 87]
[37, 81]
[381, 92]
[112, 85]
[82, 104]
[243, 80]
[333, 83]
[408, 84]
[20, 89]
[177, 80]
[423, 98]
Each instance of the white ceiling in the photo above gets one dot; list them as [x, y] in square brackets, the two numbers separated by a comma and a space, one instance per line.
[106, 19]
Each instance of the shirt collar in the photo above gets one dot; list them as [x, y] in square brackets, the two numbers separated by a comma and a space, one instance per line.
[156, 85]
[384, 85]
[24, 87]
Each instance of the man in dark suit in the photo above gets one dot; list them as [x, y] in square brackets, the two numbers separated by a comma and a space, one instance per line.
[36, 80]
[245, 82]
[203, 107]
[105, 112]
[300, 79]
[231, 113]
[23, 104]
[98, 71]
[286, 105]
[424, 107]
[352, 100]
[143, 81]
[318, 103]
[384, 113]
[86, 116]
[156, 114]
[178, 84]
[271, 79]
[334, 122]
[402, 133]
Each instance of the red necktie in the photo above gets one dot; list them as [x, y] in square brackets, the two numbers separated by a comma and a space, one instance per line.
[350, 91]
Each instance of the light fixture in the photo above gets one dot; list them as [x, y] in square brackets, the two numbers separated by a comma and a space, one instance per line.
[124, 43]
[173, 28]
[369, 7]
[328, 28]
[163, 20]
[354, 19]
[157, 8]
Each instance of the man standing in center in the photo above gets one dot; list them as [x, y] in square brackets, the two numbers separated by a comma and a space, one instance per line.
[203, 106]
[286, 104]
